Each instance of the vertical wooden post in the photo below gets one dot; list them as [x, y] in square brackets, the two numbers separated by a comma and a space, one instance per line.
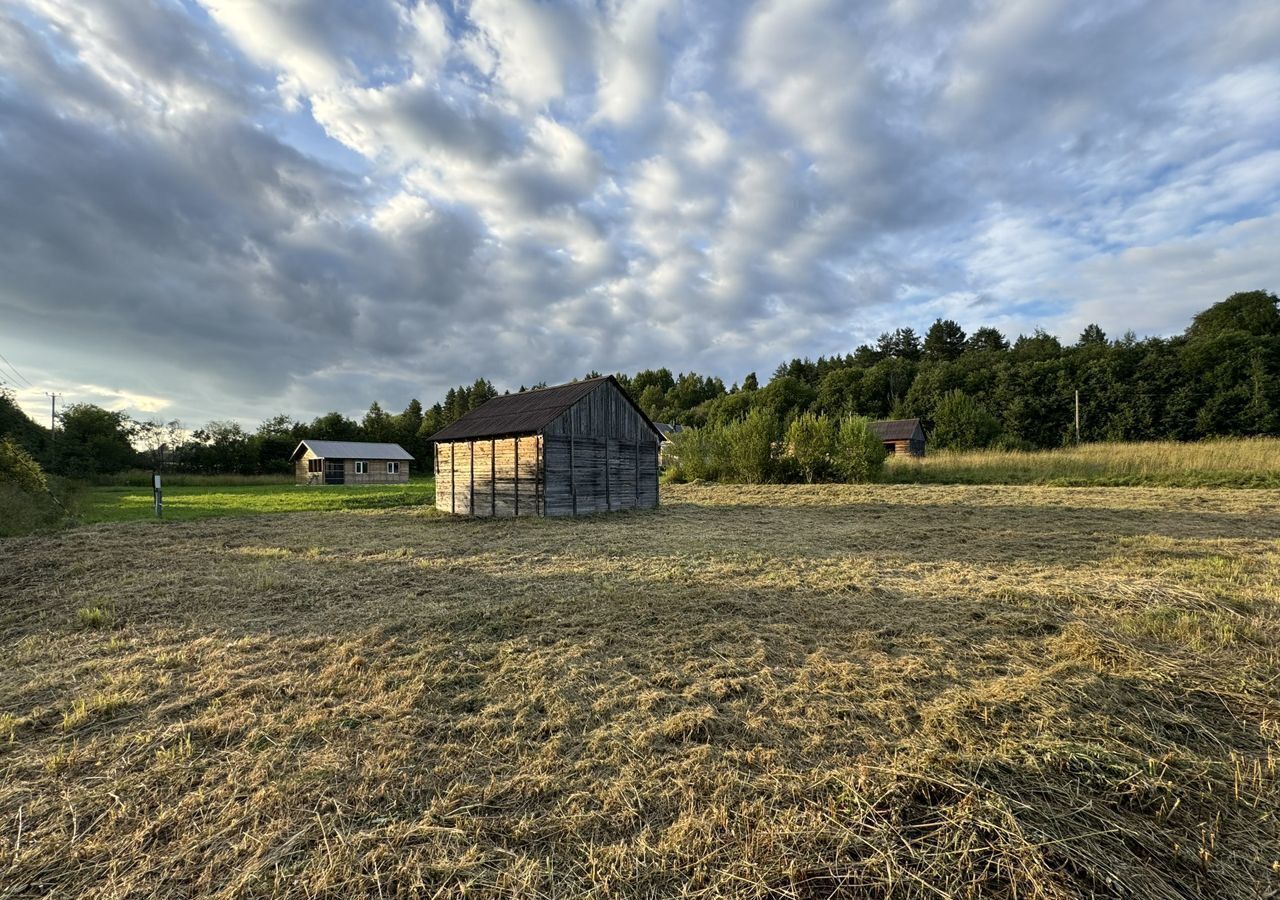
[471, 469]
[493, 477]
[637, 460]
[608, 502]
[1077, 417]
[540, 487]
[453, 477]
[573, 474]
[517, 513]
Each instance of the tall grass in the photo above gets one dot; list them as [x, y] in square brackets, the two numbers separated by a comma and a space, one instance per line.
[1247, 462]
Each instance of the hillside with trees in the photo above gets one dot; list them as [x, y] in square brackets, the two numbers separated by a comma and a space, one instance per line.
[1221, 377]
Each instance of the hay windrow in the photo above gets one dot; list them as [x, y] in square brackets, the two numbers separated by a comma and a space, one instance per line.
[804, 692]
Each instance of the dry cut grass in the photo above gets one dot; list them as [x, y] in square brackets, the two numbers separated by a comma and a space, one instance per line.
[1245, 462]
[775, 692]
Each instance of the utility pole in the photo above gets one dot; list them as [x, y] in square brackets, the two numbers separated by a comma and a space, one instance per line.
[1077, 417]
[53, 399]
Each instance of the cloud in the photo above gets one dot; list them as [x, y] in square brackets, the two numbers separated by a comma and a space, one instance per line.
[228, 208]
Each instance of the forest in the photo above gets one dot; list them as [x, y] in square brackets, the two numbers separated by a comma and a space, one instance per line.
[1220, 377]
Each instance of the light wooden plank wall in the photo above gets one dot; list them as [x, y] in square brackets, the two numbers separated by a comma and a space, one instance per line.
[481, 477]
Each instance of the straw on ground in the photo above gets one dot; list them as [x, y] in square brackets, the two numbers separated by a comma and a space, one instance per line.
[772, 692]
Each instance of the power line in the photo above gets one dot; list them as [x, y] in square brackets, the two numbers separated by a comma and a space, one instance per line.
[15, 371]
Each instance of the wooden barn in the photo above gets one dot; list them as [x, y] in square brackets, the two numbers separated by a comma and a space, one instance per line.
[567, 450]
[901, 436]
[350, 462]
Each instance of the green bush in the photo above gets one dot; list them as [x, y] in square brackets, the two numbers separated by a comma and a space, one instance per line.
[26, 498]
[698, 454]
[749, 447]
[20, 469]
[962, 423]
[860, 453]
[811, 442]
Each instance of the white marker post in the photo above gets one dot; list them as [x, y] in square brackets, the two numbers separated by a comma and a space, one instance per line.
[157, 494]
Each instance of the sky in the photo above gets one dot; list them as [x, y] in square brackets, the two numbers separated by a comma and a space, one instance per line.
[215, 209]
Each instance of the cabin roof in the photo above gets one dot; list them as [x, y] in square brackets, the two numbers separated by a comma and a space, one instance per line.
[896, 429]
[351, 450]
[667, 429]
[527, 412]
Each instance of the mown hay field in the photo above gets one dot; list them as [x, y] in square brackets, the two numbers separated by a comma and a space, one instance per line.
[783, 691]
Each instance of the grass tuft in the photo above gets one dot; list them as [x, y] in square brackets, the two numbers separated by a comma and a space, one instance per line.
[97, 616]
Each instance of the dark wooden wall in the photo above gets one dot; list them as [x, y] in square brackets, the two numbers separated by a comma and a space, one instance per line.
[587, 475]
[604, 413]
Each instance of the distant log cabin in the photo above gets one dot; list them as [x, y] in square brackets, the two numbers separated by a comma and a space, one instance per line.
[901, 436]
[569, 450]
[350, 462]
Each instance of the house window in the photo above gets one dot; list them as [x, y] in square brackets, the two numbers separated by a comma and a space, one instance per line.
[362, 467]
[393, 468]
[315, 465]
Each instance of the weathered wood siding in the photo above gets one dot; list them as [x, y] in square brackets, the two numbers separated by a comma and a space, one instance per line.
[599, 456]
[377, 473]
[605, 412]
[490, 477]
[912, 447]
[587, 475]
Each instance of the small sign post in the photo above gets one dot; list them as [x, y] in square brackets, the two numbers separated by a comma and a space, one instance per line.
[157, 494]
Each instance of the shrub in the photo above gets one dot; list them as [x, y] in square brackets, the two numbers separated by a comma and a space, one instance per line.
[811, 441]
[860, 453]
[962, 423]
[26, 497]
[20, 469]
[698, 453]
[748, 449]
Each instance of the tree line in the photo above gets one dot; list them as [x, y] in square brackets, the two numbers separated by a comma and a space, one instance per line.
[1221, 377]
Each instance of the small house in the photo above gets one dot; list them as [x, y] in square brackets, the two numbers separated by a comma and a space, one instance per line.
[665, 452]
[901, 436]
[350, 462]
[568, 450]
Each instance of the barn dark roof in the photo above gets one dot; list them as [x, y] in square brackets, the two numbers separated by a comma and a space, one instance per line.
[896, 429]
[527, 412]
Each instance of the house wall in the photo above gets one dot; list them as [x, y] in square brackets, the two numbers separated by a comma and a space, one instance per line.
[300, 473]
[490, 477]
[377, 471]
[912, 447]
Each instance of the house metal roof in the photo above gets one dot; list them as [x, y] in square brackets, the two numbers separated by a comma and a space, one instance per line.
[352, 450]
[896, 429]
[527, 412]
